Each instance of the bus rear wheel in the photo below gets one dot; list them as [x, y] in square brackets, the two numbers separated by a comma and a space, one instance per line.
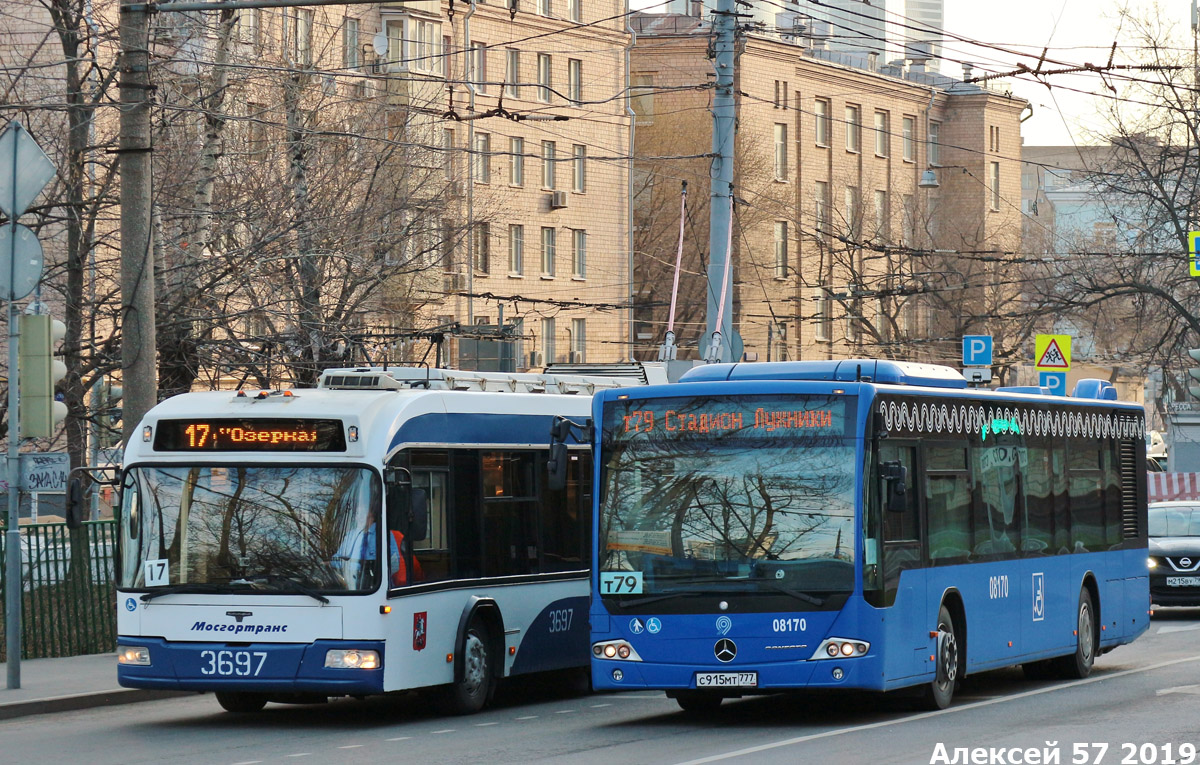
[940, 692]
[241, 702]
[1078, 665]
[698, 702]
[468, 695]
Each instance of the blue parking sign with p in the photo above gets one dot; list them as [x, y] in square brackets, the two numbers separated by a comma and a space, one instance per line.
[977, 350]
[1055, 381]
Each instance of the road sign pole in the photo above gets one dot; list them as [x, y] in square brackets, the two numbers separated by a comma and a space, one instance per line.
[12, 535]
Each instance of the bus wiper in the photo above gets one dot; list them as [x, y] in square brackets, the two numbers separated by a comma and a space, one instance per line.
[206, 587]
[282, 584]
[794, 593]
[656, 598]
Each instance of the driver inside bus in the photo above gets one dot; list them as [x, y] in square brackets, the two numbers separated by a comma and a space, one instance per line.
[358, 552]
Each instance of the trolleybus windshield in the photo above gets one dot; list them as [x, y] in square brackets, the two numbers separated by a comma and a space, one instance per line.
[730, 494]
[268, 528]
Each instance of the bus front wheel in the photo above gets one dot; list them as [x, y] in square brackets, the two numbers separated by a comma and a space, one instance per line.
[940, 692]
[469, 693]
[698, 702]
[1078, 665]
[241, 702]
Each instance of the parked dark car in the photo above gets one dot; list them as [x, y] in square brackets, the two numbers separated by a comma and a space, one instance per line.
[1175, 553]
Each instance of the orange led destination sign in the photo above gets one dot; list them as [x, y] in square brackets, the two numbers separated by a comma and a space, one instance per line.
[745, 417]
[249, 435]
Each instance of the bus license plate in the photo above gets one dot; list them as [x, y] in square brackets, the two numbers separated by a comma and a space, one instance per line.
[1183, 581]
[726, 679]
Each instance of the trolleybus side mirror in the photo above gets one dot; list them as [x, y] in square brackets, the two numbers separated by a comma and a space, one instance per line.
[896, 476]
[76, 502]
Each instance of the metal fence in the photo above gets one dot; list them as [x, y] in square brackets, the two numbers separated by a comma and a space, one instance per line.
[68, 589]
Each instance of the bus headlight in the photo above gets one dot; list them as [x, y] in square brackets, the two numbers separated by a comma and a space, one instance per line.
[352, 659]
[617, 650]
[841, 648]
[138, 655]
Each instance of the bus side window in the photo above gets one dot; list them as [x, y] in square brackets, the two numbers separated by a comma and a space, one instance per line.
[900, 525]
[948, 503]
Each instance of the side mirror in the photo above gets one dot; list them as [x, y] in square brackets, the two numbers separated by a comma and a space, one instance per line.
[418, 515]
[896, 476]
[76, 503]
[556, 466]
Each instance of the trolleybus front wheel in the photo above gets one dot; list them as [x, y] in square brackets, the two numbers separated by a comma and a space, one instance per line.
[939, 693]
[468, 695]
[241, 702]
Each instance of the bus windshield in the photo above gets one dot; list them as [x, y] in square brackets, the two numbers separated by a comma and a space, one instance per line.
[267, 528]
[716, 495]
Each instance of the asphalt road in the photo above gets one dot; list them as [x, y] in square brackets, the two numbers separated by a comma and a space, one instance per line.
[1142, 703]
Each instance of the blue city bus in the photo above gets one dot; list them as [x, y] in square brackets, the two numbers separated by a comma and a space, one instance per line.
[860, 524]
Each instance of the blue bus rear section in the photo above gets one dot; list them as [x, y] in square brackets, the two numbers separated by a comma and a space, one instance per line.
[1016, 605]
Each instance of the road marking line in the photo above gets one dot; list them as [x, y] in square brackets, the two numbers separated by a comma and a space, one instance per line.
[445, 730]
[1193, 689]
[1167, 628]
[301, 754]
[398, 738]
[566, 711]
[939, 713]
[484, 725]
[528, 717]
[600, 706]
[350, 746]
[248, 762]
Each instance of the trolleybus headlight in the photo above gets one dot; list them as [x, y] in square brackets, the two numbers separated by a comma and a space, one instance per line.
[833, 648]
[352, 659]
[621, 650]
[133, 654]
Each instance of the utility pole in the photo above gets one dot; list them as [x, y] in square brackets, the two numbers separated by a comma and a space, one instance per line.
[138, 358]
[723, 344]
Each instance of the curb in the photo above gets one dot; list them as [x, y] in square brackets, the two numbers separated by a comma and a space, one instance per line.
[72, 702]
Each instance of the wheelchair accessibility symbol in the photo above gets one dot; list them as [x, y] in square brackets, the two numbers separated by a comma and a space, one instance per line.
[1039, 597]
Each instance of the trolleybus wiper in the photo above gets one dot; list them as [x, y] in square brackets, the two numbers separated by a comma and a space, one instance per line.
[208, 587]
[283, 584]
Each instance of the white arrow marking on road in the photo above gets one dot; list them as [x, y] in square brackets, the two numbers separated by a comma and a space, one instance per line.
[1192, 689]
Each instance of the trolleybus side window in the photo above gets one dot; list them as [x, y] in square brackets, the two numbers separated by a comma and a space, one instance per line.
[509, 513]
[565, 526]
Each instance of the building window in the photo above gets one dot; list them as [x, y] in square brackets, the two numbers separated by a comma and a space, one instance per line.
[575, 10]
[934, 149]
[479, 247]
[249, 22]
[544, 78]
[512, 73]
[448, 154]
[549, 249]
[575, 80]
[516, 250]
[853, 129]
[821, 207]
[548, 340]
[821, 110]
[781, 152]
[478, 76]
[425, 51]
[823, 321]
[482, 156]
[781, 94]
[909, 137]
[881, 215]
[544, 7]
[993, 138]
[909, 229]
[853, 213]
[781, 249]
[641, 98]
[579, 253]
[579, 169]
[516, 166]
[395, 43]
[350, 49]
[300, 24]
[578, 341]
[882, 136]
[548, 164]
[994, 184]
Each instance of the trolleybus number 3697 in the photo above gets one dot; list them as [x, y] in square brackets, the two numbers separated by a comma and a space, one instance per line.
[233, 663]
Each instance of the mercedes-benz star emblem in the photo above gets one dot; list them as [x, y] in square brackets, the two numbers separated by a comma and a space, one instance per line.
[725, 650]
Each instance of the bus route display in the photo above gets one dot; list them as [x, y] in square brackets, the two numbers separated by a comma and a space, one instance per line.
[735, 416]
[249, 435]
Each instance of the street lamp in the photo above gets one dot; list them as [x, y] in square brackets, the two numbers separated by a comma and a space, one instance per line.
[928, 180]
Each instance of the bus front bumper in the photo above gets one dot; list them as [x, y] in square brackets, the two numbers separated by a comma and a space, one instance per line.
[865, 672]
[248, 667]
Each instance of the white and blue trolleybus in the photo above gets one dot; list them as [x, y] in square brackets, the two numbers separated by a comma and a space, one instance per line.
[861, 524]
[390, 529]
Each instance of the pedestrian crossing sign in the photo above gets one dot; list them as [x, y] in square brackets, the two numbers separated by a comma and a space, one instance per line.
[1053, 353]
[1193, 262]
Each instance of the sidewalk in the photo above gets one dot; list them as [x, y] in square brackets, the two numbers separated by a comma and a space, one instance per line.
[61, 685]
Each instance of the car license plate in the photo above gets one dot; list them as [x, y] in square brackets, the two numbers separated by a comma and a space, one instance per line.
[726, 679]
[1183, 581]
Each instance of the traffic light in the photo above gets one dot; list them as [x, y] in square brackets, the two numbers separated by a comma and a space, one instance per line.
[1194, 373]
[108, 413]
[38, 371]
